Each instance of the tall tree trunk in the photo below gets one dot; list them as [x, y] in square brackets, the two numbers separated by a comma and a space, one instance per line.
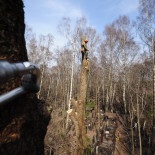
[42, 75]
[139, 126]
[103, 94]
[153, 47]
[107, 101]
[131, 124]
[12, 29]
[124, 94]
[124, 77]
[23, 120]
[71, 85]
[78, 113]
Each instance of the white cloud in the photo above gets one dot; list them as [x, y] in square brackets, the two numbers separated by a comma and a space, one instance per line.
[122, 7]
[60, 8]
[128, 6]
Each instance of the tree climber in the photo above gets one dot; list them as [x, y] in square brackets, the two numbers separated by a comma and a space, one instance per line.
[84, 49]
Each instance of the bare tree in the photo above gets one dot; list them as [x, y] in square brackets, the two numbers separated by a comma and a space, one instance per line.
[45, 43]
[73, 38]
[108, 62]
[146, 27]
[41, 47]
[127, 50]
[65, 29]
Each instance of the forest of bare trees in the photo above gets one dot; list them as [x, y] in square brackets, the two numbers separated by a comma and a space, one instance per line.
[103, 104]
[121, 79]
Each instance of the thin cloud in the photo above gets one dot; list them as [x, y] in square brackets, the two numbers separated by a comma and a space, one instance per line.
[128, 6]
[62, 8]
[122, 7]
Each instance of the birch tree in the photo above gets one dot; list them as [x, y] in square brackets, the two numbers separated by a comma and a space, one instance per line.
[65, 29]
[126, 50]
[108, 62]
[146, 27]
[73, 36]
[45, 43]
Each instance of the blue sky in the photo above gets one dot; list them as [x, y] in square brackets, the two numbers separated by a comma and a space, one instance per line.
[44, 15]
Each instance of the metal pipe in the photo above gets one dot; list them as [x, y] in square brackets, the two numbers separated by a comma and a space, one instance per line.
[11, 95]
[8, 70]
[30, 80]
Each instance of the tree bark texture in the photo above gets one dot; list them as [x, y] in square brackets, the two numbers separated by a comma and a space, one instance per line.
[23, 121]
[78, 113]
[153, 47]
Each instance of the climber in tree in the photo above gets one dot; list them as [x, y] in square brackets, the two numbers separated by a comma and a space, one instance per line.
[84, 49]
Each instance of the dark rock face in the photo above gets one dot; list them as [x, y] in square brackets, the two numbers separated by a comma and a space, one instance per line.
[23, 121]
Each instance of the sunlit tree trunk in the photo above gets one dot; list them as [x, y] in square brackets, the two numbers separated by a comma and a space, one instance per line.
[78, 113]
[103, 91]
[71, 83]
[139, 125]
[131, 112]
[110, 79]
[41, 80]
[49, 88]
[124, 73]
[107, 100]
